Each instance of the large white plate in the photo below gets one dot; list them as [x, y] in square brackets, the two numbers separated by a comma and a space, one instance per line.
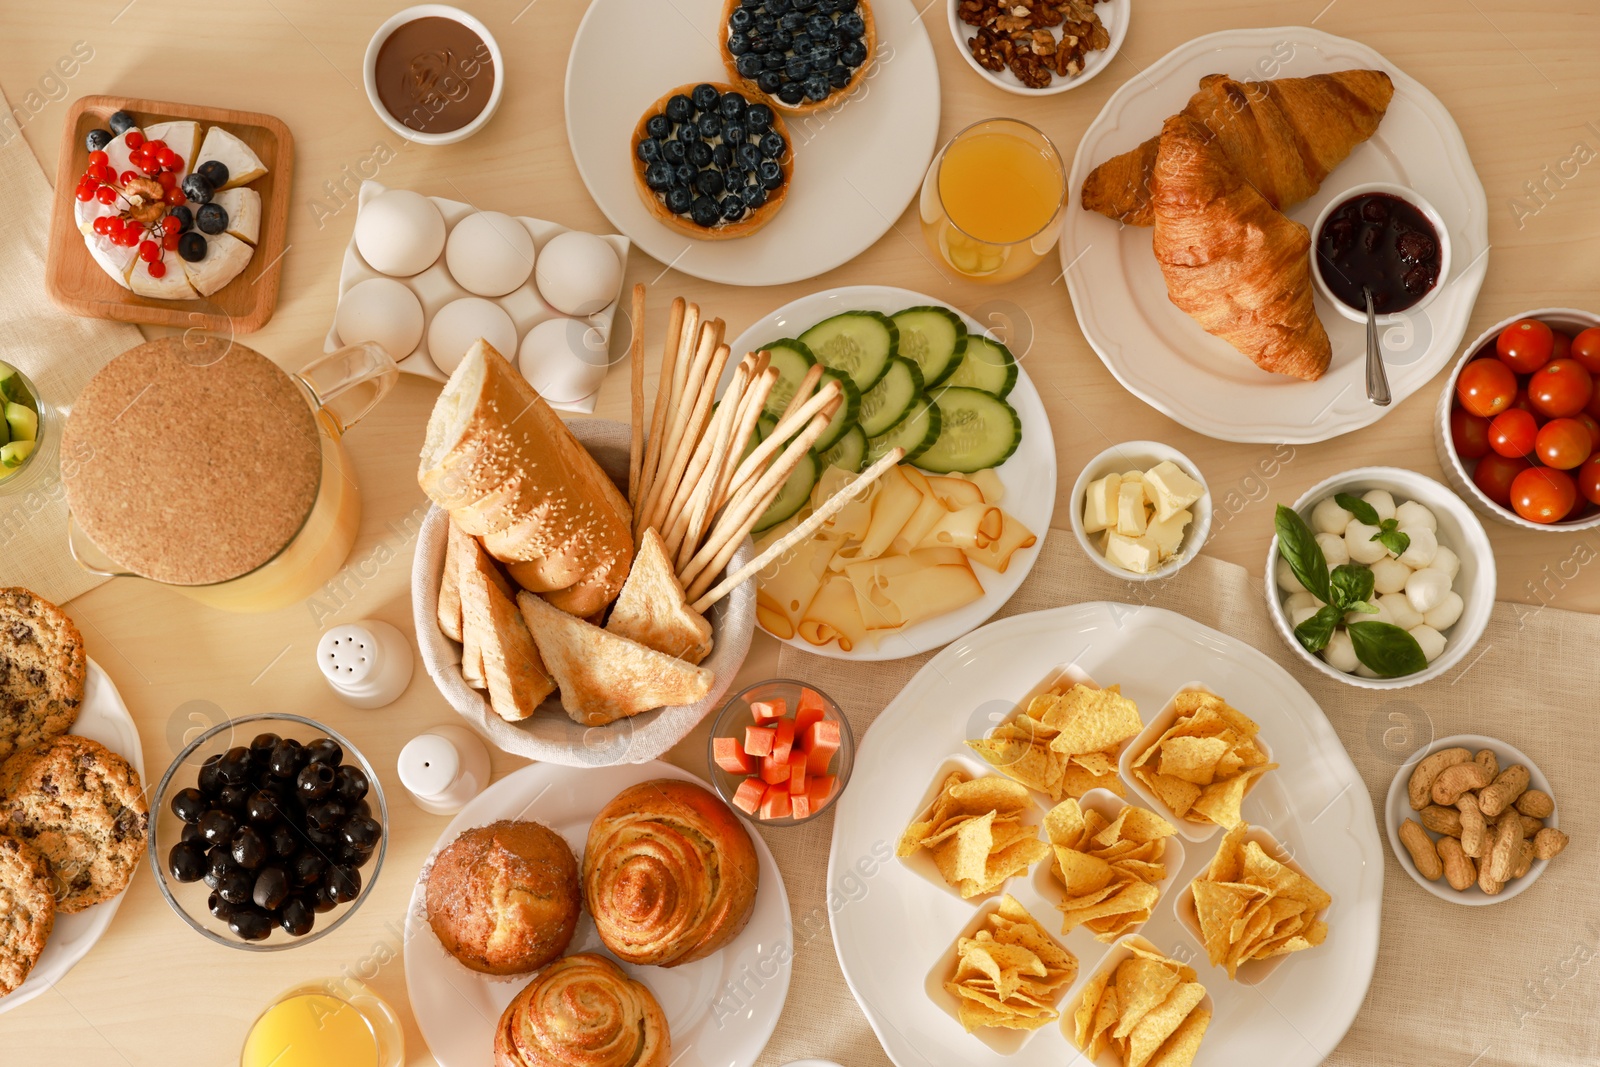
[890, 935]
[1029, 475]
[1163, 357]
[103, 717]
[856, 167]
[720, 1010]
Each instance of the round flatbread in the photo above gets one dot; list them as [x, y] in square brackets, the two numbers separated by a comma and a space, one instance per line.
[27, 911]
[42, 670]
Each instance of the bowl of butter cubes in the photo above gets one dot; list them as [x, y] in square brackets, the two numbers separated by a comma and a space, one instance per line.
[1141, 510]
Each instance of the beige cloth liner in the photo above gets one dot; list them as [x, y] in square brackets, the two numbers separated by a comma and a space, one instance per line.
[58, 352]
[1514, 983]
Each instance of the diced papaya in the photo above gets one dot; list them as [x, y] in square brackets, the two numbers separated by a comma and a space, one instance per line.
[758, 739]
[820, 790]
[730, 757]
[809, 698]
[784, 741]
[767, 710]
[822, 741]
[747, 798]
[800, 805]
[776, 803]
[774, 771]
[803, 720]
[797, 774]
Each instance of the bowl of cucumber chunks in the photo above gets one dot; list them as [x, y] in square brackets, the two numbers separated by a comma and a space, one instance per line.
[21, 425]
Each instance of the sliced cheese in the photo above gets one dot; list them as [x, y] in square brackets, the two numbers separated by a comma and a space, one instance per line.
[226, 258]
[244, 166]
[787, 588]
[180, 135]
[922, 521]
[244, 212]
[1100, 504]
[955, 492]
[1131, 517]
[997, 554]
[988, 480]
[1174, 490]
[172, 285]
[928, 592]
[976, 527]
[896, 501]
[833, 615]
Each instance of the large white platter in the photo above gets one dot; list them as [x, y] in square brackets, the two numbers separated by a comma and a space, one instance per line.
[1163, 357]
[103, 717]
[720, 1010]
[856, 166]
[1029, 475]
[890, 937]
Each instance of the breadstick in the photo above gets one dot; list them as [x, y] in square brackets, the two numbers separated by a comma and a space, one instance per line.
[802, 393]
[812, 524]
[749, 415]
[699, 509]
[694, 425]
[666, 482]
[753, 464]
[636, 395]
[676, 520]
[669, 358]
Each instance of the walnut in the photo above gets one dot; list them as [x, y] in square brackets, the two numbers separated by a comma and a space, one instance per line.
[1043, 42]
[982, 46]
[1012, 24]
[145, 203]
[1016, 35]
[1030, 70]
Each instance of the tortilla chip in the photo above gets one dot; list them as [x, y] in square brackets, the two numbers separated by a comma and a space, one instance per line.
[1065, 742]
[1193, 759]
[1204, 763]
[1142, 984]
[975, 831]
[1010, 972]
[1085, 1019]
[1251, 906]
[1160, 1024]
[1184, 1044]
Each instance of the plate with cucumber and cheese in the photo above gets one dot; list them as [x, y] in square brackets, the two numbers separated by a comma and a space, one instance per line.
[944, 538]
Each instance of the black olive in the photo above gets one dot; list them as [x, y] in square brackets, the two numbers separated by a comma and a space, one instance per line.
[283, 840]
[344, 884]
[235, 765]
[288, 756]
[219, 907]
[323, 839]
[261, 807]
[362, 833]
[321, 898]
[250, 924]
[314, 781]
[325, 750]
[249, 850]
[326, 815]
[272, 886]
[186, 862]
[308, 869]
[350, 783]
[191, 832]
[236, 887]
[233, 799]
[261, 747]
[209, 780]
[297, 917]
[219, 861]
[217, 826]
[189, 804]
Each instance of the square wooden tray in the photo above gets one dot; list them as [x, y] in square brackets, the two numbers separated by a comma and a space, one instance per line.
[77, 284]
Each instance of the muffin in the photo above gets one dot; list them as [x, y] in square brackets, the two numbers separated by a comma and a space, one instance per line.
[503, 898]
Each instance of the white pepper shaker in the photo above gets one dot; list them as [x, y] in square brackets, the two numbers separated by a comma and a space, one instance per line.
[444, 768]
[367, 663]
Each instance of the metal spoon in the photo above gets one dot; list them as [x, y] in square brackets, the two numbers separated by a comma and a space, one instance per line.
[1377, 376]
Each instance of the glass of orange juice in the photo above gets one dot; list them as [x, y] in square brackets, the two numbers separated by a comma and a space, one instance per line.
[332, 1022]
[992, 199]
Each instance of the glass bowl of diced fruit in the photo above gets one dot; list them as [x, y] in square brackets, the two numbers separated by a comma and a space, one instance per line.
[23, 422]
[780, 752]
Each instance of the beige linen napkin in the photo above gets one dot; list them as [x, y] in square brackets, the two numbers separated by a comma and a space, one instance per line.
[1517, 983]
[58, 352]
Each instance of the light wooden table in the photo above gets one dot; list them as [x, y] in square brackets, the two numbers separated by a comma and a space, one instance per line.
[1521, 82]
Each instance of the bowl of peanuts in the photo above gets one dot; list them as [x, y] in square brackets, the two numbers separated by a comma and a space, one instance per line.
[1473, 820]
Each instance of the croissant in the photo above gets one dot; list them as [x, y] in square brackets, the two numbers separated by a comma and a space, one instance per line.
[669, 873]
[1283, 136]
[583, 1011]
[1233, 261]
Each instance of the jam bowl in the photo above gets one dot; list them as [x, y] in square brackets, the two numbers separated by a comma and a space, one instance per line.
[1386, 237]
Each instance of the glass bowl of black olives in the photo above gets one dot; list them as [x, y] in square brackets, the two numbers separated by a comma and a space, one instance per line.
[269, 832]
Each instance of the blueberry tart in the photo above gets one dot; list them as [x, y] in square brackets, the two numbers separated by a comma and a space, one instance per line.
[800, 55]
[712, 162]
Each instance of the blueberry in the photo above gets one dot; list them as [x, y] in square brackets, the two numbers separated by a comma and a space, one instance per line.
[659, 127]
[749, 65]
[740, 20]
[854, 54]
[804, 5]
[817, 88]
[188, 805]
[819, 26]
[683, 174]
[649, 150]
[704, 212]
[774, 60]
[749, 156]
[688, 133]
[307, 869]
[722, 156]
[344, 884]
[796, 67]
[250, 924]
[758, 119]
[680, 108]
[350, 783]
[770, 175]
[198, 189]
[792, 22]
[214, 172]
[766, 25]
[217, 826]
[710, 124]
[773, 145]
[801, 45]
[769, 81]
[700, 154]
[792, 93]
[853, 24]
[738, 44]
[192, 247]
[705, 96]
[782, 41]
[287, 755]
[710, 182]
[674, 152]
[732, 208]
[325, 750]
[97, 140]
[733, 134]
[759, 44]
[297, 917]
[186, 862]
[839, 77]
[121, 121]
[211, 218]
[679, 197]
[732, 106]
[753, 196]
[657, 176]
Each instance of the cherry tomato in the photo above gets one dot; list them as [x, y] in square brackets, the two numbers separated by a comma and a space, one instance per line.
[1562, 348]
[1513, 433]
[1487, 387]
[1540, 494]
[1560, 389]
[1562, 443]
[1593, 407]
[1525, 345]
[1469, 433]
[1586, 349]
[1522, 403]
[1494, 475]
[1588, 479]
[1591, 424]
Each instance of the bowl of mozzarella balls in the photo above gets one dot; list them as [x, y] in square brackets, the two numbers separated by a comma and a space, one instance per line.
[1380, 577]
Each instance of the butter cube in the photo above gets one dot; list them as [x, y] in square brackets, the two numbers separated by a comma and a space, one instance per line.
[1175, 490]
[1136, 554]
[1100, 504]
[1131, 517]
[1168, 534]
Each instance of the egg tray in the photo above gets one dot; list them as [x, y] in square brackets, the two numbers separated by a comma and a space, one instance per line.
[435, 288]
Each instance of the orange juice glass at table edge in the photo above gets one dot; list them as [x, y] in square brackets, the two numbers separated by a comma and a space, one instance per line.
[337, 1022]
[991, 201]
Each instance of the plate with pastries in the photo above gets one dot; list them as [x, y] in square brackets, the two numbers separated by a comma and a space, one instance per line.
[615, 917]
[73, 812]
[1231, 209]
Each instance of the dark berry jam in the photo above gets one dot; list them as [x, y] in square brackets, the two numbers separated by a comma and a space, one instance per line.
[1379, 242]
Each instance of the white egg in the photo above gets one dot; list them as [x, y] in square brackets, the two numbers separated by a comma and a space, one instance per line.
[1447, 614]
[1382, 502]
[1401, 613]
[1446, 560]
[1359, 543]
[1389, 575]
[1285, 577]
[400, 233]
[1295, 601]
[1427, 589]
[489, 253]
[1424, 545]
[1412, 513]
[1333, 548]
[1431, 640]
[460, 323]
[1300, 615]
[381, 310]
[1341, 653]
[564, 359]
[578, 273]
[1328, 517]
[1382, 614]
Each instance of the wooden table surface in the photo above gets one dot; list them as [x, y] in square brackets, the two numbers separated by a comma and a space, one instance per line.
[1521, 80]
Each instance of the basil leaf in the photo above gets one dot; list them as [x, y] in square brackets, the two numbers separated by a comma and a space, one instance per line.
[1315, 632]
[1364, 607]
[1390, 537]
[1386, 649]
[1351, 582]
[1298, 545]
[1363, 511]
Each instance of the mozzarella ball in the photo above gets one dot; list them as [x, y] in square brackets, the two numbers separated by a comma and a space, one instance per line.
[1300, 615]
[1382, 502]
[1412, 513]
[1446, 614]
[1389, 575]
[1427, 588]
[1359, 543]
[1286, 579]
[1383, 614]
[1431, 640]
[1364, 671]
[1341, 653]
[1328, 517]
[1446, 560]
[1423, 547]
[1401, 613]
[1296, 601]
[1333, 549]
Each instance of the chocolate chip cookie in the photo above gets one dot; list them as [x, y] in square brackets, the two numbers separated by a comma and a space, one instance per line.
[27, 911]
[82, 807]
[42, 670]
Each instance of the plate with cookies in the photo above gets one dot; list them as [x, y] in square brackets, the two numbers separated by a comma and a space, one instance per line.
[633, 891]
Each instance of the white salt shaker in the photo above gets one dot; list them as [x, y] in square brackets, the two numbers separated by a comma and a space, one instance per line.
[444, 768]
[367, 663]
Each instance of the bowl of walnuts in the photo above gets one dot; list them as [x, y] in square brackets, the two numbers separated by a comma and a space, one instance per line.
[1039, 47]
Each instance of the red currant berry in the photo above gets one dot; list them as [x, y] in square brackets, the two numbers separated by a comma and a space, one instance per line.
[102, 225]
[177, 162]
[155, 146]
[168, 179]
[85, 193]
[149, 251]
[175, 197]
[170, 224]
[169, 241]
[106, 195]
[156, 269]
[133, 139]
[127, 176]
[98, 156]
[167, 158]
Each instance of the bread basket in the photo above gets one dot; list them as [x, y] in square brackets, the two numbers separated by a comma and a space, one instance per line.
[550, 735]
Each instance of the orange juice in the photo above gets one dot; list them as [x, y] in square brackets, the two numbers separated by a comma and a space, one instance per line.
[311, 1030]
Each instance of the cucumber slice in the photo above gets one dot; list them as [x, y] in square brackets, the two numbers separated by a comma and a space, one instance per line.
[13, 454]
[934, 338]
[22, 422]
[857, 343]
[793, 360]
[987, 365]
[891, 398]
[794, 494]
[979, 431]
[846, 416]
[915, 433]
[850, 453]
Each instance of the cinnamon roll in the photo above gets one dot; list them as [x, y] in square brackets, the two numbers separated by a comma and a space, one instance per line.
[669, 873]
[582, 1011]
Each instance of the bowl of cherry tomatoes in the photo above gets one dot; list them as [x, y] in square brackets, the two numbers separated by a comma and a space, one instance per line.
[1519, 422]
